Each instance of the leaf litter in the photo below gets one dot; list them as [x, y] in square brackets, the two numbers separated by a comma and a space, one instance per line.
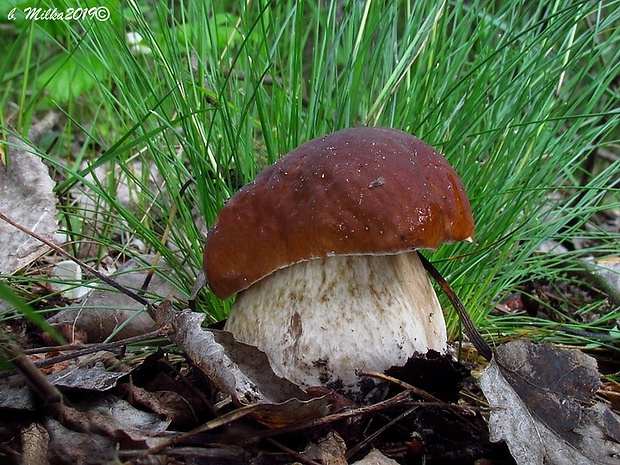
[544, 406]
[27, 195]
[107, 313]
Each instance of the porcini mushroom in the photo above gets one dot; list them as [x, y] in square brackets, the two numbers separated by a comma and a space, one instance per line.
[321, 250]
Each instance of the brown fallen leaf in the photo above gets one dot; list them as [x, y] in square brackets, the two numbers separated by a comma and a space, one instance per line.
[544, 407]
[240, 370]
[106, 313]
[67, 446]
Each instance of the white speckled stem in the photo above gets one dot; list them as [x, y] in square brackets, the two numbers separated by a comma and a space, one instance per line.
[320, 320]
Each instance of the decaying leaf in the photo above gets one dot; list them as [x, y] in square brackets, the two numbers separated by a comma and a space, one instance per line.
[95, 378]
[121, 420]
[26, 197]
[241, 371]
[86, 374]
[106, 311]
[544, 409]
[67, 446]
[330, 449]
[35, 440]
[93, 432]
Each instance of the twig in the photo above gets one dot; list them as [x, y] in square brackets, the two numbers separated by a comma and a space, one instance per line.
[88, 268]
[430, 400]
[403, 397]
[81, 350]
[85, 349]
[247, 410]
[215, 423]
[37, 382]
[414, 390]
[359, 446]
[470, 327]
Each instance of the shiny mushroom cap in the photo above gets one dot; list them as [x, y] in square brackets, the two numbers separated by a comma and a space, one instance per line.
[359, 191]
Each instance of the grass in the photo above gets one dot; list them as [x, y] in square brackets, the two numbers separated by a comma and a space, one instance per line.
[517, 95]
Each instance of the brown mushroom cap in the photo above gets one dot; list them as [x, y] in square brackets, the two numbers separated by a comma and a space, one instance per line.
[360, 191]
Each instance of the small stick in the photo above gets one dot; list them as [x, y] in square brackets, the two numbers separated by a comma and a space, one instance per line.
[163, 331]
[418, 392]
[359, 446]
[470, 327]
[403, 397]
[84, 349]
[215, 423]
[37, 382]
[88, 268]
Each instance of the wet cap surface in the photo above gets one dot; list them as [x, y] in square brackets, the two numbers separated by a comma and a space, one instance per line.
[360, 191]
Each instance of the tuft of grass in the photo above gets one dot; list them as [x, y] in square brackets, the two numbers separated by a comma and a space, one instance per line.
[517, 95]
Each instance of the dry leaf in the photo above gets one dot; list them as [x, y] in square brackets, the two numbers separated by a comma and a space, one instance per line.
[106, 311]
[543, 406]
[93, 432]
[331, 449]
[241, 371]
[95, 378]
[26, 197]
[68, 446]
[121, 420]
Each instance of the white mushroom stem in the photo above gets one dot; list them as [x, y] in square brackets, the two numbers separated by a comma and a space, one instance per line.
[321, 320]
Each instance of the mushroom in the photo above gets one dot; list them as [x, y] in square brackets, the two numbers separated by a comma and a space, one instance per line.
[321, 250]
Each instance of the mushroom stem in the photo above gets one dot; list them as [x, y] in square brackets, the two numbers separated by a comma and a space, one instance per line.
[321, 320]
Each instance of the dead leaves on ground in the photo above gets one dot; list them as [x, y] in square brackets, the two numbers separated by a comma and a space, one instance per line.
[544, 406]
[227, 407]
[27, 196]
